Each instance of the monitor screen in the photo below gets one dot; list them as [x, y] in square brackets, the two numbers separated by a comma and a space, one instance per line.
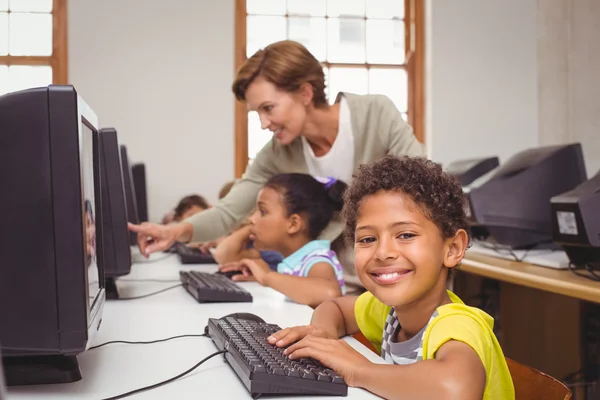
[91, 216]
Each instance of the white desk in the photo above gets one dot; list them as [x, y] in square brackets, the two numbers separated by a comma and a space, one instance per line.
[119, 368]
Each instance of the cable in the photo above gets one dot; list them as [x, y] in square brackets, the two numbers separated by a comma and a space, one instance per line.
[151, 294]
[150, 342]
[121, 396]
[154, 260]
[592, 274]
[498, 248]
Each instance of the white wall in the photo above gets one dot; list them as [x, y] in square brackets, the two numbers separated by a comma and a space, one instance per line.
[481, 87]
[160, 72]
[501, 76]
[569, 61]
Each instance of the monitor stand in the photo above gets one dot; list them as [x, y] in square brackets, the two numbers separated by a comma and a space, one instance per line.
[110, 288]
[584, 257]
[41, 370]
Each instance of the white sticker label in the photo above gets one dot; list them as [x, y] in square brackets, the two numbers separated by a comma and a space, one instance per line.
[567, 225]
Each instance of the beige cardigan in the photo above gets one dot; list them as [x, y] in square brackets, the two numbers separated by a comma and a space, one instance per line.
[378, 130]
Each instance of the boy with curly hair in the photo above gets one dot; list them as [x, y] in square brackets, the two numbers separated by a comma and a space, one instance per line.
[406, 220]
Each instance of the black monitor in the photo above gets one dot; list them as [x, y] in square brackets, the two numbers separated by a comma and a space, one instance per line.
[512, 202]
[576, 223]
[130, 197]
[2, 385]
[138, 172]
[117, 252]
[51, 280]
[468, 170]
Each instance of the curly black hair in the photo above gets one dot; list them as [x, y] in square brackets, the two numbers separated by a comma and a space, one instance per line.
[439, 195]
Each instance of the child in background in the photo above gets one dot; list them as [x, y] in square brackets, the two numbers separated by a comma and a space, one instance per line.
[186, 207]
[407, 222]
[189, 206]
[292, 210]
[237, 245]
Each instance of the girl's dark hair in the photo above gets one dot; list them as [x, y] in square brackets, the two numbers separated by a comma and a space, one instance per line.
[188, 202]
[314, 201]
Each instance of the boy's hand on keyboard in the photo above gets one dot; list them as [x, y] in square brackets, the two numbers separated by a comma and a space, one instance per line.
[333, 353]
[287, 336]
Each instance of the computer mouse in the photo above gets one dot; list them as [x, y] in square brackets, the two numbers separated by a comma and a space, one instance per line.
[229, 274]
[246, 316]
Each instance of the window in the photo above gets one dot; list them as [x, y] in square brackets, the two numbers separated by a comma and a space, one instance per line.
[33, 43]
[365, 46]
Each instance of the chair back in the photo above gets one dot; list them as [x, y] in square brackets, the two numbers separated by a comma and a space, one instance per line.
[533, 384]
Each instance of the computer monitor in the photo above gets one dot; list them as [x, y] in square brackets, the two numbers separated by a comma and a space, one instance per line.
[130, 197]
[117, 252]
[2, 384]
[576, 223]
[468, 170]
[51, 278]
[138, 172]
[512, 202]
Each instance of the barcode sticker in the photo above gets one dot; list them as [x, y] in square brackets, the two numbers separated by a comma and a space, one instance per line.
[567, 224]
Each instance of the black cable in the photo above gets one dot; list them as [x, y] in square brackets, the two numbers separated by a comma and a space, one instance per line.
[592, 274]
[154, 260]
[586, 375]
[150, 294]
[498, 248]
[121, 396]
[150, 342]
[592, 271]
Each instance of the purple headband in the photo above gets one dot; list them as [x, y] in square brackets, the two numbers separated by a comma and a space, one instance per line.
[327, 182]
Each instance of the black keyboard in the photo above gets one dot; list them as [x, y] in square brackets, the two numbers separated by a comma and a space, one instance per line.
[211, 288]
[192, 255]
[263, 368]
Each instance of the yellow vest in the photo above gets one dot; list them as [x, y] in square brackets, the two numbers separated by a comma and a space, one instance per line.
[455, 321]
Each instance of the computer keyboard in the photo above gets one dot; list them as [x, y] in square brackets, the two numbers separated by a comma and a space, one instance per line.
[212, 288]
[263, 368]
[192, 255]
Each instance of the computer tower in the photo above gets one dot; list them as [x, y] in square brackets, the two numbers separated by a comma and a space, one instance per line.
[117, 252]
[138, 173]
[52, 276]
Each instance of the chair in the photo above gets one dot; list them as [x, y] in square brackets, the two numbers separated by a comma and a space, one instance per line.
[533, 384]
[529, 383]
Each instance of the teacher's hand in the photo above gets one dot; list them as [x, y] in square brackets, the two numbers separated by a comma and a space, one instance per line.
[153, 237]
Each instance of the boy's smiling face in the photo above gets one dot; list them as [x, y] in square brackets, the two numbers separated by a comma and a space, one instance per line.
[400, 254]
